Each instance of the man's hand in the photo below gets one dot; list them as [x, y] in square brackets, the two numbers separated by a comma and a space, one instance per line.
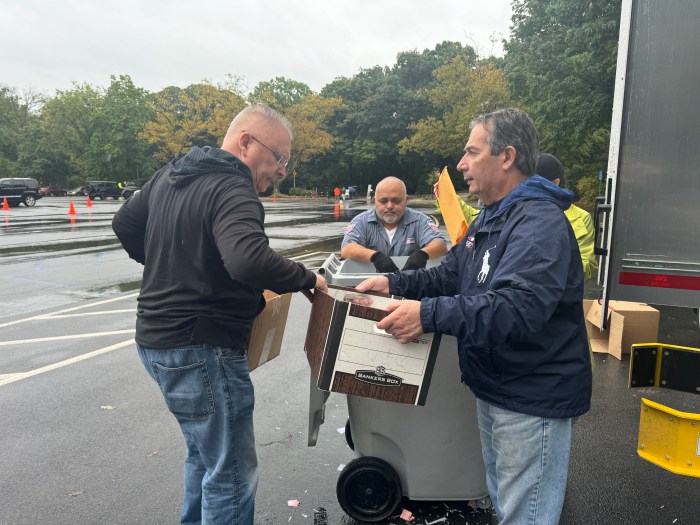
[416, 260]
[321, 283]
[374, 284]
[403, 323]
[383, 263]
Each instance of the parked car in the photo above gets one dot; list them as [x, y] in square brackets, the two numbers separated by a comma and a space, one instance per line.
[103, 189]
[52, 191]
[129, 190]
[16, 191]
[77, 192]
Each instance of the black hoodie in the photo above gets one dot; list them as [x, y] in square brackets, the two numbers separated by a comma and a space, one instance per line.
[198, 228]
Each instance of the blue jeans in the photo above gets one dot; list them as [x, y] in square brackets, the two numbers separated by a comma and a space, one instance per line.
[209, 392]
[527, 462]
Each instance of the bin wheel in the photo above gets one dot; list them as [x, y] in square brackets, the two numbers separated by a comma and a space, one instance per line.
[369, 489]
[484, 503]
[348, 435]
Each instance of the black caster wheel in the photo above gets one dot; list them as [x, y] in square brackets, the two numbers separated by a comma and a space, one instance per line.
[348, 435]
[369, 489]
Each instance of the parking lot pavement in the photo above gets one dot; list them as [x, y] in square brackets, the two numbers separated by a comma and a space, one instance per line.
[89, 441]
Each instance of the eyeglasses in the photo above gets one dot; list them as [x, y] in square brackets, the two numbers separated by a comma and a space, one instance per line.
[281, 159]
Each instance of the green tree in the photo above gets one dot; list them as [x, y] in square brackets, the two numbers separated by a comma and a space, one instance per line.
[379, 105]
[198, 115]
[116, 152]
[464, 90]
[9, 130]
[309, 119]
[588, 188]
[39, 159]
[18, 112]
[415, 70]
[69, 121]
[279, 93]
[561, 62]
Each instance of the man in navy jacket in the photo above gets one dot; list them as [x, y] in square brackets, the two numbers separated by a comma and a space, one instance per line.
[511, 292]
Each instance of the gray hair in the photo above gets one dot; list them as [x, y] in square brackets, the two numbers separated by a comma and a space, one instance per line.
[265, 112]
[512, 127]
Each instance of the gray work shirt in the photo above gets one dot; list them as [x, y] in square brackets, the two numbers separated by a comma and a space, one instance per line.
[414, 231]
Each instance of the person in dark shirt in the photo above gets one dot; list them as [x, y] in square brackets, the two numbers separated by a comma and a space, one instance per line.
[392, 229]
[198, 228]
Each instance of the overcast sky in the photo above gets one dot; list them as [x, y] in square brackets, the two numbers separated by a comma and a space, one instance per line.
[48, 44]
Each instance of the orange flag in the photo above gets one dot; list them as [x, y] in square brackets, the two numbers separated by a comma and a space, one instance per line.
[452, 212]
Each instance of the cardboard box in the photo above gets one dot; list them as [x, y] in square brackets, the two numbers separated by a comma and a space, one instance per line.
[628, 323]
[348, 354]
[268, 328]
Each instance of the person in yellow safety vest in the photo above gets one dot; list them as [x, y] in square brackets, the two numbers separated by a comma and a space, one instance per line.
[549, 167]
[469, 212]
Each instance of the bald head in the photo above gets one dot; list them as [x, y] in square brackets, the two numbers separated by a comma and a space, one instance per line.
[391, 183]
[390, 201]
[262, 138]
[255, 117]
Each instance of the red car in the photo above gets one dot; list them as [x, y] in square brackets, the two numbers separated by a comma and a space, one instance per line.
[52, 191]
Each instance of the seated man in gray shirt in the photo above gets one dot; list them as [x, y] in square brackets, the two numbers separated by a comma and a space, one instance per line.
[392, 229]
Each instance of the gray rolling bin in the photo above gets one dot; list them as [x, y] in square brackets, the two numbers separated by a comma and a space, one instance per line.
[430, 452]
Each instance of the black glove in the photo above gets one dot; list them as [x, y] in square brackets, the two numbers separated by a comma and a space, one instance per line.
[383, 263]
[416, 260]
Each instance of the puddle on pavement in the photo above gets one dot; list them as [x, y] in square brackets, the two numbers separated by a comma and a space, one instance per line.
[128, 286]
[323, 218]
[48, 248]
[325, 246]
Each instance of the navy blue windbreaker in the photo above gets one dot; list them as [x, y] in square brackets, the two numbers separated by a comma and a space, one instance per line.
[511, 292]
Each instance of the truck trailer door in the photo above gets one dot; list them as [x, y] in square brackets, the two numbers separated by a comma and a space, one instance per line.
[652, 231]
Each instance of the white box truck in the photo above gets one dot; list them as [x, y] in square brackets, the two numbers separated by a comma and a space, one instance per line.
[650, 235]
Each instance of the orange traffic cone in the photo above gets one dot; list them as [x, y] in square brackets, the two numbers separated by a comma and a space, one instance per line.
[89, 202]
[71, 211]
[5, 206]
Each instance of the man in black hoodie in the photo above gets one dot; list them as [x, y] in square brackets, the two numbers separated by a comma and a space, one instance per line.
[198, 228]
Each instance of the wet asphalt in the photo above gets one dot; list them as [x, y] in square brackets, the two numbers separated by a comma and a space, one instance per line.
[85, 439]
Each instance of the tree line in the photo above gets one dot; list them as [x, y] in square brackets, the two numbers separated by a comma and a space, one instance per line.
[407, 120]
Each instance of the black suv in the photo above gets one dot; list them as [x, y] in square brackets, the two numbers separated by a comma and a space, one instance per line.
[103, 189]
[16, 191]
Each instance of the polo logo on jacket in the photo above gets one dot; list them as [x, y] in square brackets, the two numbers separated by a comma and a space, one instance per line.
[484, 273]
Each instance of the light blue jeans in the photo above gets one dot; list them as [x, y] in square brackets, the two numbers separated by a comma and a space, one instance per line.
[209, 392]
[527, 462]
